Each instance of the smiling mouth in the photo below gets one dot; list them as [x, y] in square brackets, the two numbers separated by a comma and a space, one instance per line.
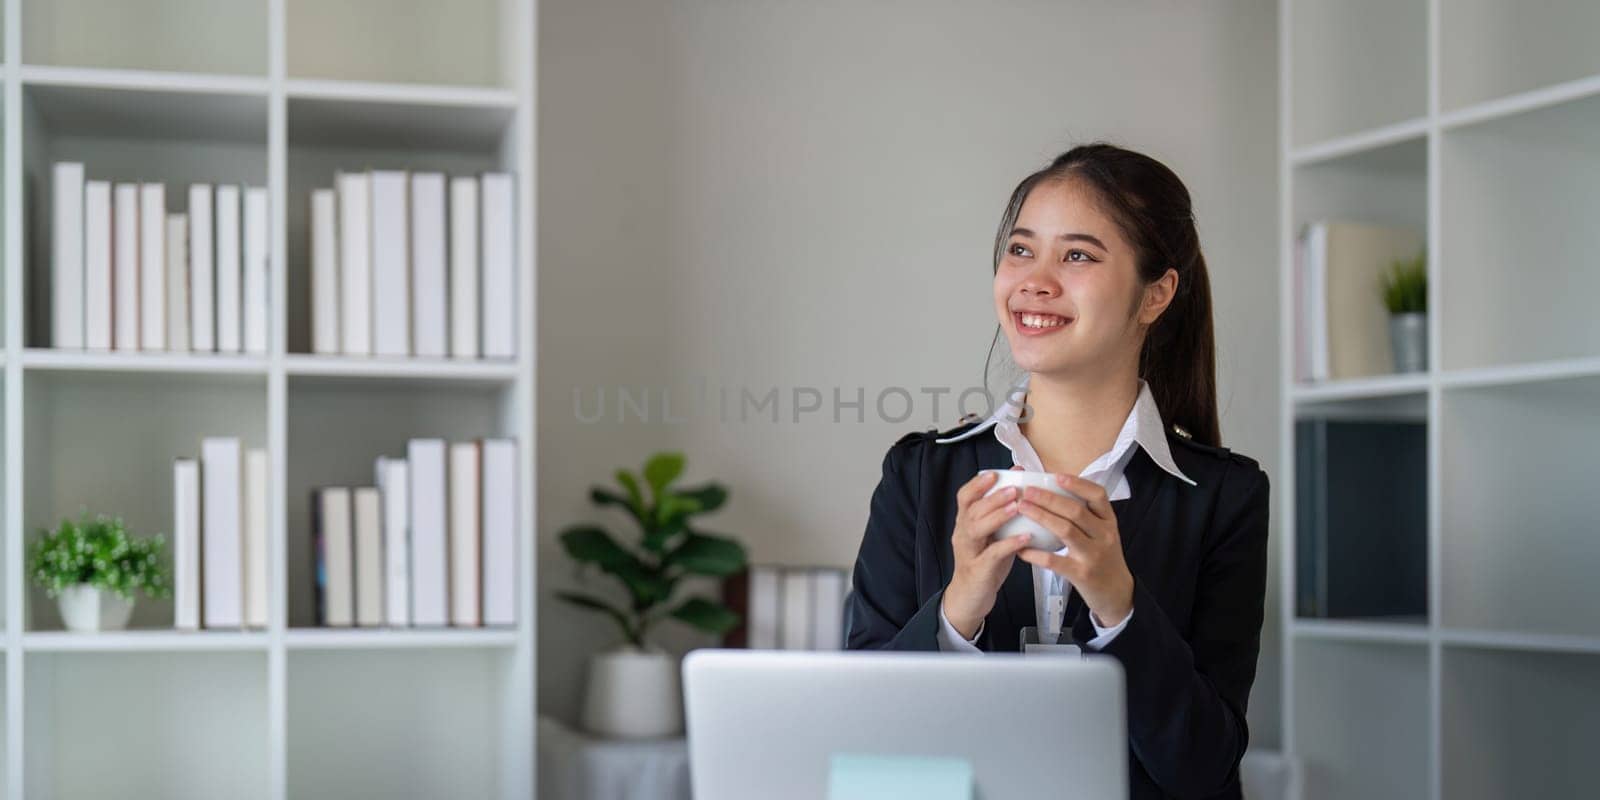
[1039, 322]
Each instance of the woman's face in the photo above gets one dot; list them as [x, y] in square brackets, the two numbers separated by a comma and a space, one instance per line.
[1067, 290]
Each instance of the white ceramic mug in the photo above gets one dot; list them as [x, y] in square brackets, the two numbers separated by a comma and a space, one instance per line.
[1019, 525]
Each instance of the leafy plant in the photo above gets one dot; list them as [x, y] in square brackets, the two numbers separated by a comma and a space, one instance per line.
[1405, 287]
[99, 551]
[668, 550]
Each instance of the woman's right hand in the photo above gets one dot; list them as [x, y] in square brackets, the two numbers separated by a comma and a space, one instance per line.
[982, 562]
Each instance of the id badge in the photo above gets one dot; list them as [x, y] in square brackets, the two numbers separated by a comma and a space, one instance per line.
[1051, 645]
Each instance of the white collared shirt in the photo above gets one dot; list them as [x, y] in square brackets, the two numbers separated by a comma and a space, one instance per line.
[1143, 427]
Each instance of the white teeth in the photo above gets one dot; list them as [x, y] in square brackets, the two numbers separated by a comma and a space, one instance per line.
[1041, 321]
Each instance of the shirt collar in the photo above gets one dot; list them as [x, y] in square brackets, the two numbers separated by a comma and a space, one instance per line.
[1143, 426]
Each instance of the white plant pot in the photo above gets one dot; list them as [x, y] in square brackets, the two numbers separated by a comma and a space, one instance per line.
[633, 694]
[88, 609]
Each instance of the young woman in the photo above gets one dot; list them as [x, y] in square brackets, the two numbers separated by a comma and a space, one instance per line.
[1101, 290]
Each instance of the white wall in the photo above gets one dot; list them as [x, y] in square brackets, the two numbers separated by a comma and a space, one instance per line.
[777, 194]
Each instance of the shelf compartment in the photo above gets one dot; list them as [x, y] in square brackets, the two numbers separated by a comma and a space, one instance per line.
[1361, 719]
[1392, 39]
[1386, 185]
[106, 442]
[1491, 49]
[194, 725]
[423, 723]
[1520, 195]
[1518, 724]
[1518, 550]
[210, 36]
[337, 428]
[465, 42]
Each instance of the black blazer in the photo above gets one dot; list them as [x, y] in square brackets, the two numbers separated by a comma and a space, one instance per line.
[1198, 555]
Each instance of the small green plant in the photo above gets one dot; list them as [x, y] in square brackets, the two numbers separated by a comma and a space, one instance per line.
[669, 549]
[97, 550]
[1405, 286]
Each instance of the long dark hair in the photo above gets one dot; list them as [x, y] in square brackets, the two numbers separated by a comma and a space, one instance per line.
[1153, 209]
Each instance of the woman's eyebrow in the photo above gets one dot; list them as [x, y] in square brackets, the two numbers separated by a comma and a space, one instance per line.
[1065, 237]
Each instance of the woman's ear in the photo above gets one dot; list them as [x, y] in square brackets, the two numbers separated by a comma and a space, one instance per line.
[1158, 295]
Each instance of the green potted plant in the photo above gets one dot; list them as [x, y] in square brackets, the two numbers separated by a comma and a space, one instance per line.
[633, 691]
[93, 568]
[1405, 293]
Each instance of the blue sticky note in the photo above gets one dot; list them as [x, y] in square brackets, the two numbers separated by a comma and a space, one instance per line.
[862, 776]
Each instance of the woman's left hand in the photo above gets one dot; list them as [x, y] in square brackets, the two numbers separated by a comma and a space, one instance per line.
[1088, 528]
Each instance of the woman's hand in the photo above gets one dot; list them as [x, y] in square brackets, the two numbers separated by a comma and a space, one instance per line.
[1088, 528]
[982, 563]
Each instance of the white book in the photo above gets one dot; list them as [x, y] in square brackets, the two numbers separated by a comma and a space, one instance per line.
[499, 266]
[368, 557]
[499, 509]
[255, 538]
[202, 294]
[186, 544]
[256, 270]
[355, 263]
[391, 265]
[221, 516]
[97, 265]
[335, 596]
[466, 543]
[464, 267]
[761, 627]
[393, 485]
[794, 621]
[178, 282]
[429, 289]
[125, 266]
[66, 244]
[430, 580]
[1317, 263]
[229, 323]
[324, 273]
[152, 267]
[827, 609]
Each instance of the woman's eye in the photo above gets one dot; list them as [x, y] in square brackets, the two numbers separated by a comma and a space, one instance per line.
[1072, 255]
[1019, 250]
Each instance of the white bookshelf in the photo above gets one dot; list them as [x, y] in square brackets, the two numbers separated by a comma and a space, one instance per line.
[1474, 121]
[280, 94]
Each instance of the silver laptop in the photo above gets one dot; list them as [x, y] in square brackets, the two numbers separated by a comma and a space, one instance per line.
[769, 724]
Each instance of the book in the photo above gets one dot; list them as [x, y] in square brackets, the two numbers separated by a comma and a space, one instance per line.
[393, 479]
[186, 544]
[254, 553]
[97, 265]
[465, 536]
[178, 282]
[368, 557]
[430, 290]
[355, 263]
[332, 548]
[499, 509]
[221, 515]
[125, 266]
[464, 267]
[202, 271]
[753, 595]
[257, 298]
[1361, 518]
[391, 265]
[827, 608]
[324, 274]
[430, 580]
[66, 244]
[794, 598]
[229, 274]
[499, 267]
[152, 267]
